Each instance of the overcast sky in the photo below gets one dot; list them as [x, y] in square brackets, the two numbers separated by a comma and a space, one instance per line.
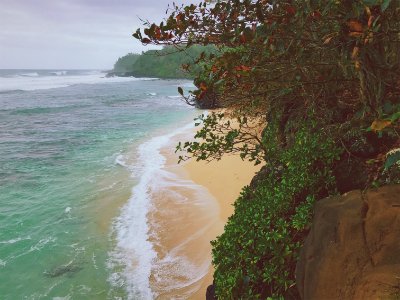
[72, 34]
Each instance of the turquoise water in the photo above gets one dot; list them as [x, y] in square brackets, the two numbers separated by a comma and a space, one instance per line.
[61, 179]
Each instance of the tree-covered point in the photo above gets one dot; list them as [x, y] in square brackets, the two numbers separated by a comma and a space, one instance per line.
[169, 62]
[125, 63]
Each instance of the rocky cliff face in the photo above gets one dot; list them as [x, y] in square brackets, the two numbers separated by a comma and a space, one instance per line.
[353, 248]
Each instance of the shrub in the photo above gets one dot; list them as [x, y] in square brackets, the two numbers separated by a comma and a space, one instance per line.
[256, 255]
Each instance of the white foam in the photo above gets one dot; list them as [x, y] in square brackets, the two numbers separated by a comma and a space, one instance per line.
[59, 73]
[43, 242]
[177, 272]
[120, 160]
[151, 94]
[35, 82]
[32, 74]
[67, 210]
[134, 252]
[13, 241]
[94, 261]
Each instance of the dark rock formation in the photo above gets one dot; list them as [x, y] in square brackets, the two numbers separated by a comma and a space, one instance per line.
[210, 294]
[67, 269]
[353, 248]
[350, 171]
[208, 100]
[120, 74]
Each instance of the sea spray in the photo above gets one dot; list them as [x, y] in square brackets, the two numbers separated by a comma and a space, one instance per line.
[134, 251]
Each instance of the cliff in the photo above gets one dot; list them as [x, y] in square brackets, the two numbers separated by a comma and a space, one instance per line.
[353, 248]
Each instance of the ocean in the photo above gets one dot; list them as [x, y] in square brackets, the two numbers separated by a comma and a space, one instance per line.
[77, 154]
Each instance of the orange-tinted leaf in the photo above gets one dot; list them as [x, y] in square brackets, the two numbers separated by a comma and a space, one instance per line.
[203, 86]
[370, 20]
[379, 125]
[368, 11]
[146, 41]
[157, 33]
[242, 68]
[327, 40]
[355, 26]
[354, 54]
[355, 34]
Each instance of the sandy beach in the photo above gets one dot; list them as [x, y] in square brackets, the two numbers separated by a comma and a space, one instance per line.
[189, 214]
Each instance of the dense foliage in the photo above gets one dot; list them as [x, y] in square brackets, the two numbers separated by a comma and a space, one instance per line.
[125, 63]
[169, 62]
[256, 256]
[282, 64]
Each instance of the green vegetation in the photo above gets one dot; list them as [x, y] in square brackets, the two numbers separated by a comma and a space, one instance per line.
[169, 62]
[125, 63]
[266, 231]
[323, 78]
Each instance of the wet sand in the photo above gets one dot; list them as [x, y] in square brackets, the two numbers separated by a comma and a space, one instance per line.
[188, 212]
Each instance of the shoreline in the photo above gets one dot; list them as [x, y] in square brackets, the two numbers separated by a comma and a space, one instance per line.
[174, 211]
[221, 182]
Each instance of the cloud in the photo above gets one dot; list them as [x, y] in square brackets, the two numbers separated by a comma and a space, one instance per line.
[81, 34]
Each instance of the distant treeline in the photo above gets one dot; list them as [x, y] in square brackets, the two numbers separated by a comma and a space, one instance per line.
[168, 62]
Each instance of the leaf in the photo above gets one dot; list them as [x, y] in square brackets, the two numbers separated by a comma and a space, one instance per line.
[180, 91]
[327, 39]
[379, 125]
[203, 86]
[146, 41]
[355, 27]
[385, 4]
[395, 116]
[392, 159]
[354, 54]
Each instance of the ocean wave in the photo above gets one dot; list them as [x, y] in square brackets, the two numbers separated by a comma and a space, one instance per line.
[5, 92]
[58, 73]
[31, 83]
[120, 160]
[41, 244]
[175, 272]
[31, 74]
[16, 240]
[134, 252]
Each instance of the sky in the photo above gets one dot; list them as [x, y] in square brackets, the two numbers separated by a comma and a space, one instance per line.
[73, 34]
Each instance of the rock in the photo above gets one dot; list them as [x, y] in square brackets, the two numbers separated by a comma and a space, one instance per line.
[350, 173]
[292, 293]
[210, 294]
[209, 100]
[69, 269]
[353, 248]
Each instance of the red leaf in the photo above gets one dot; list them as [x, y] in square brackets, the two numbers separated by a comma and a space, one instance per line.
[291, 10]
[146, 41]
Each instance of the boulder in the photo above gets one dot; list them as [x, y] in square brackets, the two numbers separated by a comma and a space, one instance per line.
[353, 248]
[210, 293]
